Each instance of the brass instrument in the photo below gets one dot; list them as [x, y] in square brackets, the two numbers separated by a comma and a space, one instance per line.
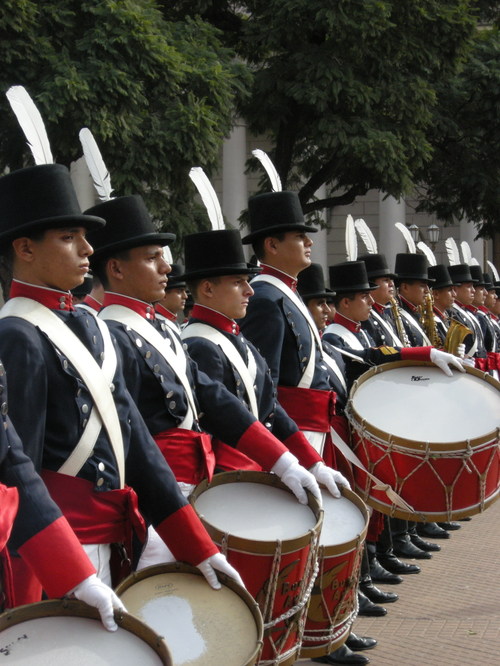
[400, 328]
[428, 321]
[456, 335]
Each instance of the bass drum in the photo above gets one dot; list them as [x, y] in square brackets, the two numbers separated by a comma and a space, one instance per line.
[433, 438]
[202, 626]
[64, 632]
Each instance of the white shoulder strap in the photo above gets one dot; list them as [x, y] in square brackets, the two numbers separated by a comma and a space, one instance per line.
[346, 335]
[176, 333]
[97, 380]
[395, 341]
[178, 364]
[414, 324]
[201, 330]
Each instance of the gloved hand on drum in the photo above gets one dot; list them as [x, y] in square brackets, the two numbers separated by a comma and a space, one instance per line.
[219, 562]
[296, 477]
[95, 593]
[443, 360]
[330, 478]
[469, 362]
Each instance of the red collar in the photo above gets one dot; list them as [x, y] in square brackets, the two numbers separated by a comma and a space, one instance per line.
[165, 312]
[379, 309]
[353, 326]
[51, 298]
[92, 302]
[470, 308]
[290, 281]
[484, 309]
[215, 319]
[410, 306]
[440, 314]
[142, 308]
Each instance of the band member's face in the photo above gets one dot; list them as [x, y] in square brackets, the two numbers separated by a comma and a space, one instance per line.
[320, 312]
[444, 298]
[465, 293]
[491, 299]
[359, 308]
[59, 260]
[142, 275]
[385, 290]
[479, 295]
[292, 254]
[175, 299]
[414, 292]
[228, 294]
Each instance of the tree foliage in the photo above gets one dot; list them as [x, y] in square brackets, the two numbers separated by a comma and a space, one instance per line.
[158, 95]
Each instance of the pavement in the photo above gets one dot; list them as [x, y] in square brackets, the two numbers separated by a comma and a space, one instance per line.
[449, 613]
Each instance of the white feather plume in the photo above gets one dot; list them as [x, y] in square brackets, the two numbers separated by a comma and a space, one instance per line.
[466, 252]
[100, 174]
[412, 248]
[269, 167]
[366, 236]
[167, 255]
[351, 241]
[494, 271]
[452, 251]
[31, 122]
[425, 249]
[208, 196]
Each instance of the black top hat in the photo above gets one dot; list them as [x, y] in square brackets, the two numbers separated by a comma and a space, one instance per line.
[311, 283]
[412, 267]
[275, 212]
[38, 198]
[128, 225]
[477, 276]
[212, 253]
[488, 282]
[349, 276]
[176, 277]
[460, 273]
[376, 266]
[441, 276]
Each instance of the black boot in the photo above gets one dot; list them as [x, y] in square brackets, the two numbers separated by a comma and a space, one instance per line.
[451, 526]
[390, 562]
[368, 609]
[431, 531]
[422, 544]
[343, 655]
[404, 547]
[358, 643]
[374, 593]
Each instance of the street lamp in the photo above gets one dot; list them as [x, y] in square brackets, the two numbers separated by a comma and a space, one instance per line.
[432, 234]
[415, 232]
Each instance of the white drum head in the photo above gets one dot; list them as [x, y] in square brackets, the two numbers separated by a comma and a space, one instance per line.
[72, 641]
[201, 626]
[421, 403]
[255, 511]
[342, 520]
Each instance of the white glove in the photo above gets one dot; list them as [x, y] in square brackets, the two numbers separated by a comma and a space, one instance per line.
[296, 477]
[330, 478]
[469, 362]
[219, 562]
[461, 350]
[95, 593]
[443, 360]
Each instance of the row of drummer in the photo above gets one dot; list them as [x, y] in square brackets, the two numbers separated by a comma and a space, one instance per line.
[118, 420]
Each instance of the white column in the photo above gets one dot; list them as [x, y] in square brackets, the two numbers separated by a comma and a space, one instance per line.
[391, 241]
[319, 252]
[82, 182]
[234, 179]
[467, 233]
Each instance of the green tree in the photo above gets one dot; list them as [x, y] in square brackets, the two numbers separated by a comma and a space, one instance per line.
[158, 95]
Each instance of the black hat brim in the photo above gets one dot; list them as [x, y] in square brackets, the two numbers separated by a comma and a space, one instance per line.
[347, 289]
[135, 241]
[415, 277]
[89, 222]
[327, 293]
[278, 228]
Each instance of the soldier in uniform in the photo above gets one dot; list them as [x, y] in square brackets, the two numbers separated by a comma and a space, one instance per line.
[443, 296]
[179, 403]
[69, 401]
[173, 303]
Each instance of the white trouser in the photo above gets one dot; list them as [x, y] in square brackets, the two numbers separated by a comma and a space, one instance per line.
[100, 554]
[156, 551]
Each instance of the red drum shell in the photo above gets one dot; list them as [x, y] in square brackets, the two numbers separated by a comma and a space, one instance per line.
[278, 574]
[333, 604]
[441, 480]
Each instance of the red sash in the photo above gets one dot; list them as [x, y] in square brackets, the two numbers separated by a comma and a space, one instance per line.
[189, 454]
[230, 459]
[9, 502]
[110, 516]
[481, 364]
[311, 409]
[493, 361]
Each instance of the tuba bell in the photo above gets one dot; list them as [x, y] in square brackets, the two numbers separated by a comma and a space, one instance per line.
[457, 334]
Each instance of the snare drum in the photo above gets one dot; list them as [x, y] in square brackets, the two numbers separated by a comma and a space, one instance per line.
[433, 438]
[202, 626]
[272, 541]
[63, 632]
[333, 605]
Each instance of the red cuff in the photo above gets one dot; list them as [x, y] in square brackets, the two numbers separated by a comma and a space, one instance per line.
[57, 558]
[416, 353]
[260, 445]
[300, 447]
[186, 536]
[482, 364]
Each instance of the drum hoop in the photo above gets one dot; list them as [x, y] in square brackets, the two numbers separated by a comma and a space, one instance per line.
[359, 422]
[326, 550]
[74, 608]
[250, 546]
